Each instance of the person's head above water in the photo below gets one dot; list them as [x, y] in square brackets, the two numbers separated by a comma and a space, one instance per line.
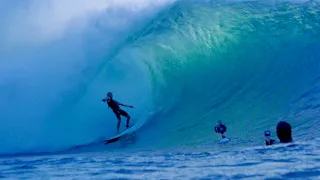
[267, 133]
[109, 95]
[284, 132]
[219, 122]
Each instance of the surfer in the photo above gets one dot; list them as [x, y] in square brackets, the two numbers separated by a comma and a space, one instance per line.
[220, 128]
[115, 106]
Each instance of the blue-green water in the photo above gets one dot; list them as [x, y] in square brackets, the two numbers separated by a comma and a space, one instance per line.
[183, 65]
[295, 161]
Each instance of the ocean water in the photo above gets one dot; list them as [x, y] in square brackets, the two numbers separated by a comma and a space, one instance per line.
[184, 65]
[294, 161]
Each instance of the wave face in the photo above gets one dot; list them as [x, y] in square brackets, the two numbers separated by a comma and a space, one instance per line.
[249, 64]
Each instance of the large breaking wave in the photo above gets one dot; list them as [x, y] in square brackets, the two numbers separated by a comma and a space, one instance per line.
[250, 64]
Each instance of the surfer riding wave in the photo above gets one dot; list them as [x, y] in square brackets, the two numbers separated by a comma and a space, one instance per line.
[115, 106]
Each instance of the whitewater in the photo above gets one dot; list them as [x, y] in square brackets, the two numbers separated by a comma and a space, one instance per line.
[183, 65]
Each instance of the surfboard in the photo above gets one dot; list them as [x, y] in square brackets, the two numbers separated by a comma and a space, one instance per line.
[121, 135]
[137, 125]
[224, 140]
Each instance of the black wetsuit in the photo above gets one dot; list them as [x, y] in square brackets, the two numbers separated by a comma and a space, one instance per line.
[114, 105]
[220, 129]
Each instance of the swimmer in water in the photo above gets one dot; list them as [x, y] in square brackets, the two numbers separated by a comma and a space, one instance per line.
[284, 134]
[267, 138]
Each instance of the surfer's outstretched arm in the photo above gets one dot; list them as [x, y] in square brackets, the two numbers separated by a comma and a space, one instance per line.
[124, 105]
